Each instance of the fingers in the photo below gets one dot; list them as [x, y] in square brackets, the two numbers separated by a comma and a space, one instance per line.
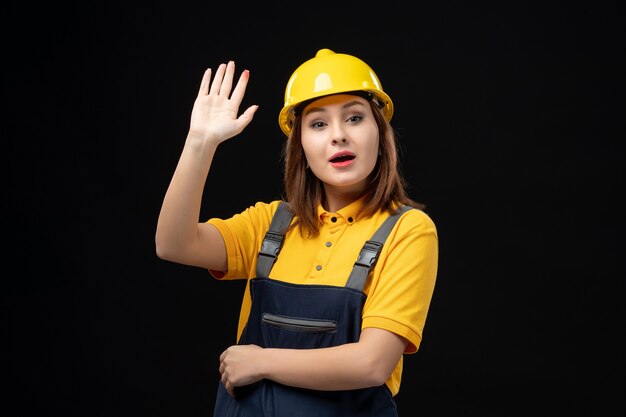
[223, 81]
[217, 79]
[229, 387]
[246, 117]
[224, 379]
[204, 84]
[240, 88]
[227, 81]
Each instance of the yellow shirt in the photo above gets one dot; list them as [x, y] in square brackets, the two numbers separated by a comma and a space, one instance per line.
[399, 288]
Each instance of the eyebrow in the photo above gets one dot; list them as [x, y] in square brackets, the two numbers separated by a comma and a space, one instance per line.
[321, 109]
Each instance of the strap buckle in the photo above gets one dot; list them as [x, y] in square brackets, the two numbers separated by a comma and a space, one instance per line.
[271, 244]
[369, 254]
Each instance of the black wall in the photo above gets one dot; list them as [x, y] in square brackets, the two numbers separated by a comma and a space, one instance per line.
[511, 118]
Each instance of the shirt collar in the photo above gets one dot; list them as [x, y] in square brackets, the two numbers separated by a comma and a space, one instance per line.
[350, 212]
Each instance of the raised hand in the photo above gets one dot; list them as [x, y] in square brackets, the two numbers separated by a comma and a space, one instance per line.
[215, 115]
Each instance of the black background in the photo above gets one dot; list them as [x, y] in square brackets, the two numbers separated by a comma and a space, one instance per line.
[511, 118]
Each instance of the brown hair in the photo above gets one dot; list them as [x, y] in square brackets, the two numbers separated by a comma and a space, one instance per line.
[304, 191]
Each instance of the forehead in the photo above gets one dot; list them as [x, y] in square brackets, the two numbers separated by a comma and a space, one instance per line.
[335, 101]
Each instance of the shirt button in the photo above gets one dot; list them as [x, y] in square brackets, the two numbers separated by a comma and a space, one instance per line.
[333, 219]
[350, 219]
[319, 267]
[328, 244]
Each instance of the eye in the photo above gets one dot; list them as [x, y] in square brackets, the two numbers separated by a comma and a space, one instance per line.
[355, 118]
[317, 124]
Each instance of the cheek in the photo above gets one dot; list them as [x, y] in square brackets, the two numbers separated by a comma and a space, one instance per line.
[307, 152]
[373, 151]
[311, 148]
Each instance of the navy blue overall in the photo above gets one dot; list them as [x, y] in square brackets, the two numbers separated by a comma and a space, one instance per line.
[297, 316]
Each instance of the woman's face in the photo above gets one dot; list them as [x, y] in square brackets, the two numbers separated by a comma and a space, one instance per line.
[340, 140]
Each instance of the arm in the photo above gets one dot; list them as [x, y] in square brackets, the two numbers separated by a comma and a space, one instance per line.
[367, 363]
[179, 235]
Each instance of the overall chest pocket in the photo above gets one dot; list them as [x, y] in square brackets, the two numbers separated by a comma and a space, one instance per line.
[283, 331]
[299, 324]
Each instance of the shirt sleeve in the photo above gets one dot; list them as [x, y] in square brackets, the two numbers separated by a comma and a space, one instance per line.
[403, 279]
[243, 234]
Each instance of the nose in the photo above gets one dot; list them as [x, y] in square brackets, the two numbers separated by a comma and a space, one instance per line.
[338, 134]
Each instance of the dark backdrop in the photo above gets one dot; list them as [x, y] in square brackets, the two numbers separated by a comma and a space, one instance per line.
[511, 118]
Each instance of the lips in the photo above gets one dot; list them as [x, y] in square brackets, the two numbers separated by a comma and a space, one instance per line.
[342, 159]
[342, 156]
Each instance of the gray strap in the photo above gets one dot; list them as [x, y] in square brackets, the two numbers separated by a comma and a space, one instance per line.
[273, 240]
[371, 249]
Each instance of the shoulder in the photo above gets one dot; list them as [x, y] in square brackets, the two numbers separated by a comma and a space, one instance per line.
[259, 213]
[250, 224]
[416, 220]
[264, 207]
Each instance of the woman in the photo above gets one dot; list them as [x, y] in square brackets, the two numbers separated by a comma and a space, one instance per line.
[338, 291]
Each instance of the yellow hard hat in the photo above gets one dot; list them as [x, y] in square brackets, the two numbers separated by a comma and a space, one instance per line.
[331, 73]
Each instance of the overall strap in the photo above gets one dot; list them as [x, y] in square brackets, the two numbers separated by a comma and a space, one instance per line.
[371, 249]
[273, 240]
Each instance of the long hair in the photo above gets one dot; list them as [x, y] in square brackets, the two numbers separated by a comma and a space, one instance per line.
[304, 191]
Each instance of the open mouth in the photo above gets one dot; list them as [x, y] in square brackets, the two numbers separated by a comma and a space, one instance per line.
[342, 158]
